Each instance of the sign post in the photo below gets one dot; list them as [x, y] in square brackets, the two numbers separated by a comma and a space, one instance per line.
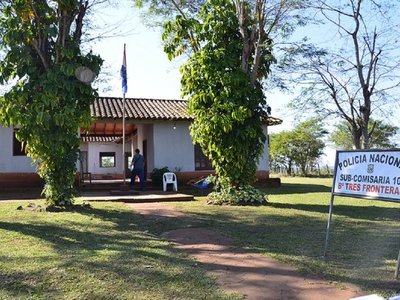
[396, 273]
[328, 227]
[369, 174]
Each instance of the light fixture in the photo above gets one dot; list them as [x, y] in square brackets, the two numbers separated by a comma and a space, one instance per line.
[174, 126]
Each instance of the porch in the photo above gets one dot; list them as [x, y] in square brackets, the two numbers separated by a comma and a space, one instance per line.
[107, 190]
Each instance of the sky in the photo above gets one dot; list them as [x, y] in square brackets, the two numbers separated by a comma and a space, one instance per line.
[150, 73]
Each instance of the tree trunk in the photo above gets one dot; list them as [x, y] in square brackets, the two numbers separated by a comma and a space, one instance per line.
[289, 168]
[356, 136]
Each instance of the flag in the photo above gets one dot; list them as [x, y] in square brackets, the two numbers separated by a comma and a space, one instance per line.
[123, 74]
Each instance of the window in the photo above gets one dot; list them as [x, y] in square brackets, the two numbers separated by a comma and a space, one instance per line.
[201, 162]
[107, 159]
[18, 149]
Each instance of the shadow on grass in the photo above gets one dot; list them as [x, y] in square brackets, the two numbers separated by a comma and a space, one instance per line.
[298, 188]
[285, 188]
[98, 260]
[356, 212]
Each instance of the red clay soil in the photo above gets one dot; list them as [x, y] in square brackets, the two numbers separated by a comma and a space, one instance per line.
[250, 274]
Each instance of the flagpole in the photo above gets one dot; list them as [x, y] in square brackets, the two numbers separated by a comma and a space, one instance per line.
[123, 138]
[124, 88]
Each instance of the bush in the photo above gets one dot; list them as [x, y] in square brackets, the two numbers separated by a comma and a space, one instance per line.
[157, 175]
[246, 195]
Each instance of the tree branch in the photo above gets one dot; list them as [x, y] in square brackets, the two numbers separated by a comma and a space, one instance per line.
[79, 21]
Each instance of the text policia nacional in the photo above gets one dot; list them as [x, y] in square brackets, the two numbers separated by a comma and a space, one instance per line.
[370, 183]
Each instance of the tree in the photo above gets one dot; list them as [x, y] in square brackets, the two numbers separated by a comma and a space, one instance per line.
[356, 76]
[281, 149]
[225, 96]
[381, 135]
[157, 11]
[47, 102]
[301, 146]
[230, 52]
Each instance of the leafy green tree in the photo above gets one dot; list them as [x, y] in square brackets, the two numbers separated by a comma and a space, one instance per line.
[301, 146]
[381, 135]
[156, 11]
[281, 149]
[229, 46]
[43, 61]
[225, 95]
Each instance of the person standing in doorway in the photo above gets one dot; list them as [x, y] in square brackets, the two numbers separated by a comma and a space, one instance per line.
[137, 167]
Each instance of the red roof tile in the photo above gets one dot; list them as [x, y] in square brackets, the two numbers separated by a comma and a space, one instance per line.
[147, 109]
[139, 109]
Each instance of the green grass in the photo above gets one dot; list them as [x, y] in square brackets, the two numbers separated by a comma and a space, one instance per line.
[98, 253]
[110, 252]
[365, 234]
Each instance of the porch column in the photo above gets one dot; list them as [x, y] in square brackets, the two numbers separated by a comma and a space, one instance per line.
[132, 150]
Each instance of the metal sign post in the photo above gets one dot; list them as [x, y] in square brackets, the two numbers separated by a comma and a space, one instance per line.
[396, 273]
[328, 227]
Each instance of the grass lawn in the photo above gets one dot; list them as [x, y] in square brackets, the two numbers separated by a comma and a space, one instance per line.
[365, 234]
[109, 252]
[97, 253]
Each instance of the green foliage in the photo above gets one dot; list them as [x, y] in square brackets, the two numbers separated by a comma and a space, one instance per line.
[227, 106]
[381, 135]
[157, 175]
[301, 146]
[155, 11]
[244, 195]
[47, 101]
[280, 150]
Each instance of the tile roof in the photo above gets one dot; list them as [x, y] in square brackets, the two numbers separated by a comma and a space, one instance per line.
[147, 109]
[139, 109]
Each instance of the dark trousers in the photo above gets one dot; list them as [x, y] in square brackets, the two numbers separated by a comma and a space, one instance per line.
[140, 173]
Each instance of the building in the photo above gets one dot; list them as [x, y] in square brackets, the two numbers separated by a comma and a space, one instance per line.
[159, 128]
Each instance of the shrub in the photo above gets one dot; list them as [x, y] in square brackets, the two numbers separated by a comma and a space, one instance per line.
[246, 195]
[157, 175]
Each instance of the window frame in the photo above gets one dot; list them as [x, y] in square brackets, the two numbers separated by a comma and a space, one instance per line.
[201, 162]
[107, 154]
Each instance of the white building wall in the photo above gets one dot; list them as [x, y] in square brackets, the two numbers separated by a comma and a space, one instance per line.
[8, 162]
[263, 163]
[94, 150]
[173, 147]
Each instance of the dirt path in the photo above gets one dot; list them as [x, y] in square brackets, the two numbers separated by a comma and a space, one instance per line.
[250, 274]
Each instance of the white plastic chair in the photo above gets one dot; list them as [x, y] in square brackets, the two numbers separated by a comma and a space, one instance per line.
[170, 178]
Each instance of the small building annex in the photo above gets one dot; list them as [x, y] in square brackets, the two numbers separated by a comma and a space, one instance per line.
[158, 127]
